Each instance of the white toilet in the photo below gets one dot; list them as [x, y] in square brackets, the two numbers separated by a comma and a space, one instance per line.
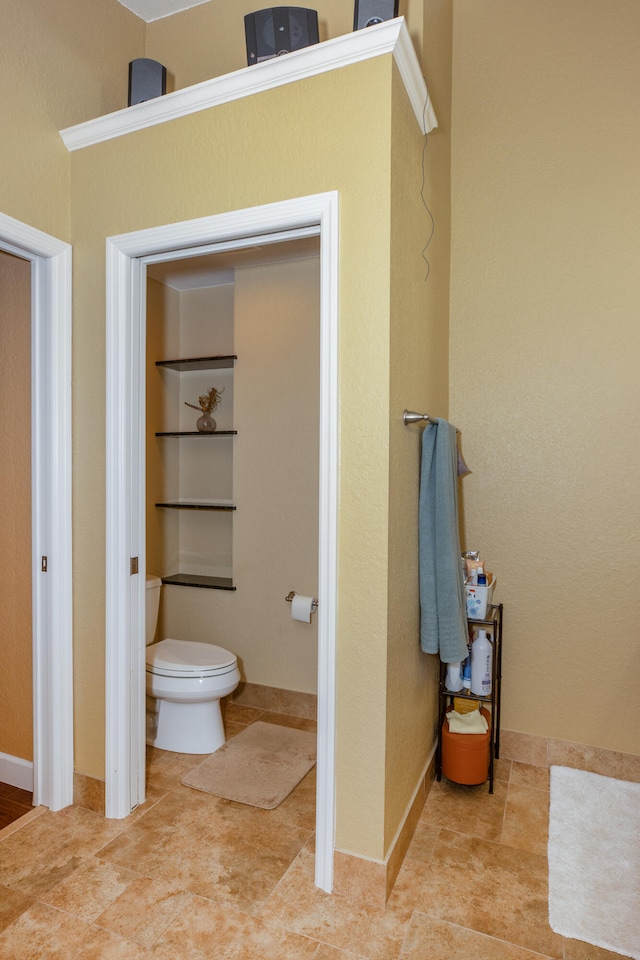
[185, 683]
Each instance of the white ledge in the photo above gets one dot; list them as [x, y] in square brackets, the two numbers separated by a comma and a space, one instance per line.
[391, 36]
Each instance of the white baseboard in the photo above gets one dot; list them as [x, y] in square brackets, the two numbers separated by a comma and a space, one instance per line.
[16, 772]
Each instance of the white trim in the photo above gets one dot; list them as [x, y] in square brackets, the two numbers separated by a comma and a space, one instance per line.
[392, 36]
[118, 738]
[51, 508]
[328, 546]
[16, 772]
[125, 535]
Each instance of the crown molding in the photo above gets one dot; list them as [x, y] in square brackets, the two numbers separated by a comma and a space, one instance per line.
[391, 36]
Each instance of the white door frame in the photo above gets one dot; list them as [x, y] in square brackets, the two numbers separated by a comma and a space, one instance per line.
[52, 607]
[127, 256]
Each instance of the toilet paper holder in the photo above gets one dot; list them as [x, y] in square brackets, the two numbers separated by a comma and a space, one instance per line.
[292, 593]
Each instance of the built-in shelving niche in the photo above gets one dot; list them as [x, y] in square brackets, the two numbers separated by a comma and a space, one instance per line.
[190, 364]
[196, 580]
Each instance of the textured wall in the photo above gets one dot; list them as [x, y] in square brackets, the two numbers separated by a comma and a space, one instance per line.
[61, 63]
[200, 165]
[16, 705]
[544, 348]
[418, 381]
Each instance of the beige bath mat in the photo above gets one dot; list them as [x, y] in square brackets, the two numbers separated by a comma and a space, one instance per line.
[260, 766]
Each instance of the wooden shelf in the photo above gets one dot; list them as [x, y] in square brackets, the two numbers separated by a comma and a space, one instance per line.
[199, 363]
[185, 365]
[196, 433]
[196, 580]
[196, 505]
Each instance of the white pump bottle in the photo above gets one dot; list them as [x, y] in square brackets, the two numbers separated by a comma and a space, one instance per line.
[481, 662]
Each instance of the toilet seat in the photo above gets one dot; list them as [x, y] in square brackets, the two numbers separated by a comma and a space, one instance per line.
[188, 658]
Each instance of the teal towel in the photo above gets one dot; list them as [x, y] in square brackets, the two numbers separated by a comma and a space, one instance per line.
[443, 621]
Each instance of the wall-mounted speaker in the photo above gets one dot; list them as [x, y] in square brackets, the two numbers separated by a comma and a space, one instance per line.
[147, 80]
[368, 12]
[270, 33]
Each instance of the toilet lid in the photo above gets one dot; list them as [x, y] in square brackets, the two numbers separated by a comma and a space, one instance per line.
[183, 657]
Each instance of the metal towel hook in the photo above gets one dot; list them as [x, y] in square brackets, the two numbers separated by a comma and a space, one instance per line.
[409, 416]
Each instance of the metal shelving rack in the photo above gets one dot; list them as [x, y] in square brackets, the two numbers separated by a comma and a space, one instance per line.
[494, 624]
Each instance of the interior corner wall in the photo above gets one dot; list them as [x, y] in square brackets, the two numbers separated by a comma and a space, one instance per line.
[544, 349]
[16, 699]
[62, 63]
[198, 166]
[419, 344]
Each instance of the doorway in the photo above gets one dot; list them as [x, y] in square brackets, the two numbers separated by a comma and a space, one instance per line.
[49, 262]
[127, 259]
[16, 700]
[231, 524]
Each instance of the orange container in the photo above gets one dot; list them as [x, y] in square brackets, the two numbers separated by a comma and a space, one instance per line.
[465, 756]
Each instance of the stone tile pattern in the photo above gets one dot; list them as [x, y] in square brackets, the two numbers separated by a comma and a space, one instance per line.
[193, 877]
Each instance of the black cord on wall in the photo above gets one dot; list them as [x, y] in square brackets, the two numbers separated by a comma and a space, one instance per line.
[422, 189]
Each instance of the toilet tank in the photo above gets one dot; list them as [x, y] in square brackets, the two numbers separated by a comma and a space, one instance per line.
[152, 606]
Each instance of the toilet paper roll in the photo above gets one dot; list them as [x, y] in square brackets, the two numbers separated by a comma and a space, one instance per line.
[302, 608]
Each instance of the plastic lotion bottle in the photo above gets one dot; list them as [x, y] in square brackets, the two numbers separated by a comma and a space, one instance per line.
[481, 659]
[466, 673]
[454, 677]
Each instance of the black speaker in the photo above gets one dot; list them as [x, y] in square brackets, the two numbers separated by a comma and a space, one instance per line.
[368, 12]
[270, 33]
[147, 80]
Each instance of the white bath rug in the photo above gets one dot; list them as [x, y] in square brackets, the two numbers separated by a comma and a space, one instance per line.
[594, 860]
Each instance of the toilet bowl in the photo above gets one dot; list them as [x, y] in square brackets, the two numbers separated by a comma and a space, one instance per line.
[185, 681]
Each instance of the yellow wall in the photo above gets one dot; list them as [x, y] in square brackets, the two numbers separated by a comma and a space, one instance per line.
[16, 707]
[545, 343]
[197, 166]
[61, 63]
[420, 241]
[77, 70]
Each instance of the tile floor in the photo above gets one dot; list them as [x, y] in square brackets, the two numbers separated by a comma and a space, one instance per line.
[191, 877]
